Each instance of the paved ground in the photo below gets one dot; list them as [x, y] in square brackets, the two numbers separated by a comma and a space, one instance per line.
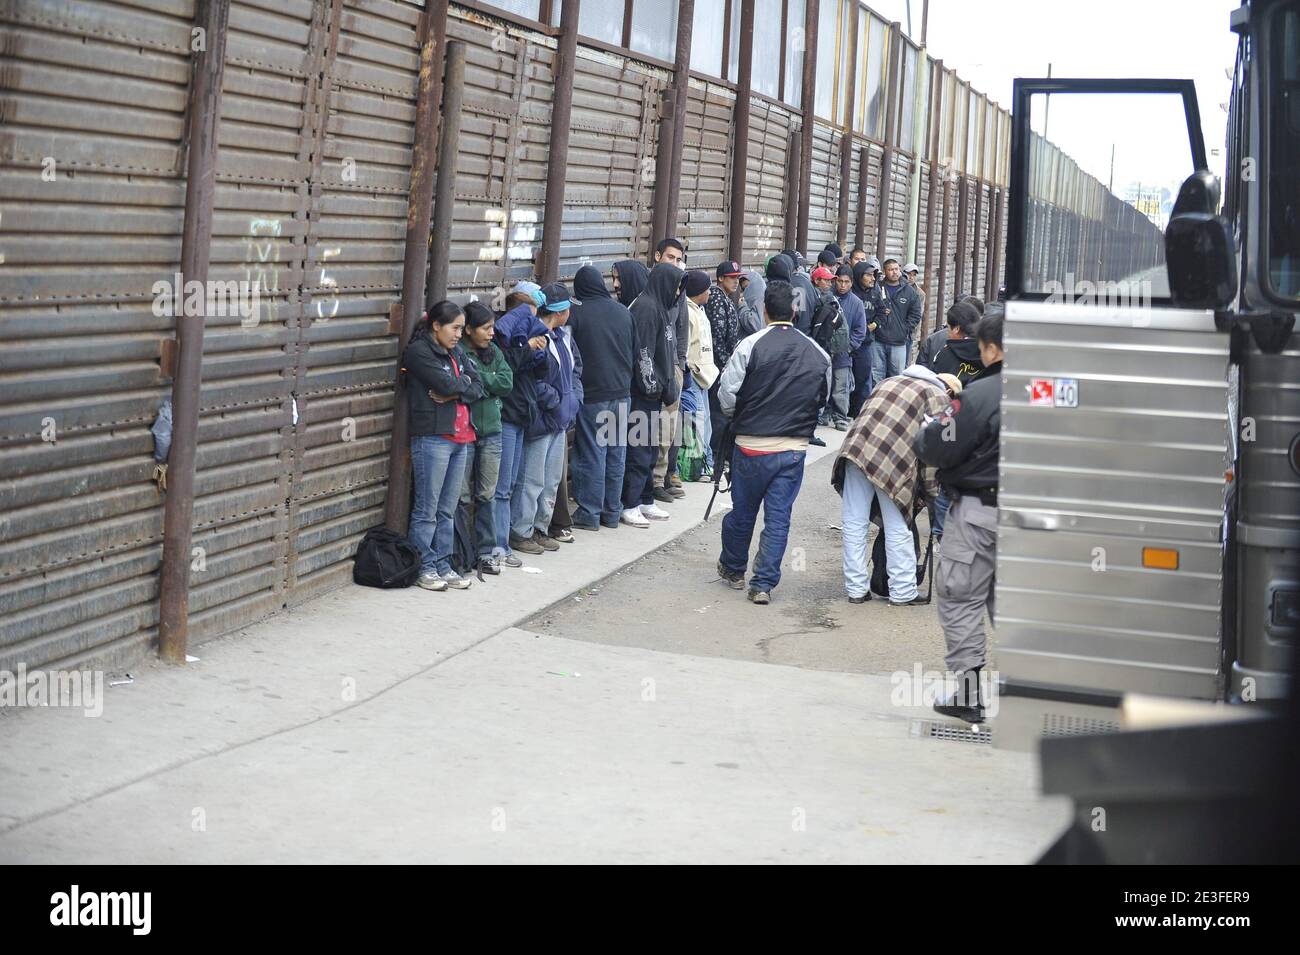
[810, 622]
[410, 726]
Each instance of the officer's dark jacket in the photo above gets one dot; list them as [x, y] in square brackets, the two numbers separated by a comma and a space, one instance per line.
[969, 461]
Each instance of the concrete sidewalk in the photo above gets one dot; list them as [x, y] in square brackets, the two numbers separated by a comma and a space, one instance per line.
[294, 668]
[409, 726]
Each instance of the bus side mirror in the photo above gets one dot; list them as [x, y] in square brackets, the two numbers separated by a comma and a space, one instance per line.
[1199, 255]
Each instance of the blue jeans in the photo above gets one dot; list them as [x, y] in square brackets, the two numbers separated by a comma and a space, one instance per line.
[512, 457]
[437, 466]
[772, 480]
[699, 418]
[533, 500]
[886, 361]
[599, 457]
[941, 505]
[482, 471]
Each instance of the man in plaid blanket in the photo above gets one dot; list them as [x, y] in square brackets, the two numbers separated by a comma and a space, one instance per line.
[877, 470]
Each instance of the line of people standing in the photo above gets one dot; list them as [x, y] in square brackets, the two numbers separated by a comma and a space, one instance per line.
[618, 387]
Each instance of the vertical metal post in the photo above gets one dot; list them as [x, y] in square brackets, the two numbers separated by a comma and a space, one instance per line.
[557, 159]
[959, 266]
[940, 293]
[663, 166]
[892, 88]
[860, 225]
[740, 136]
[433, 44]
[444, 198]
[682, 83]
[808, 105]
[793, 178]
[196, 249]
[978, 187]
[846, 141]
[726, 40]
[932, 203]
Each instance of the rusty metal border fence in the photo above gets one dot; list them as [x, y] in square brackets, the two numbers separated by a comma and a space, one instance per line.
[329, 112]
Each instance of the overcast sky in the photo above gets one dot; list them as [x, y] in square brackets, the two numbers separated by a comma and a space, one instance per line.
[990, 42]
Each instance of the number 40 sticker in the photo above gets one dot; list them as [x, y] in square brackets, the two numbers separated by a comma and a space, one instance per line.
[1054, 392]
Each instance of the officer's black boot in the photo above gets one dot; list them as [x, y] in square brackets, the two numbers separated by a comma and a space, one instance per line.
[966, 703]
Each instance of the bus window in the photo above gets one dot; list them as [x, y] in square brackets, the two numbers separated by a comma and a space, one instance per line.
[1284, 156]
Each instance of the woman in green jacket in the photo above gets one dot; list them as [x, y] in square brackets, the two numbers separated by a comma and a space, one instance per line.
[483, 461]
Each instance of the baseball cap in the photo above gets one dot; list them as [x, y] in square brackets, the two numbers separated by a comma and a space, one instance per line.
[557, 297]
[728, 269]
[826, 257]
[911, 267]
[821, 272]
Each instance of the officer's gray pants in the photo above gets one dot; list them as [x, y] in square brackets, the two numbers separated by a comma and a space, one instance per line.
[964, 580]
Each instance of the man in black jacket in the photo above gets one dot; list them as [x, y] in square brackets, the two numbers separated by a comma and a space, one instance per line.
[963, 444]
[602, 329]
[954, 349]
[654, 385]
[772, 389]
[897, 316]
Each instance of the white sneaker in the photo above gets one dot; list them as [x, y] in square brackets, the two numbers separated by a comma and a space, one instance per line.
[633, 516]
[431, 581]
[455, 581]
[654, 512]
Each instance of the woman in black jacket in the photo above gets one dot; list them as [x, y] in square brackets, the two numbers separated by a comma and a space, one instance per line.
[440, 386]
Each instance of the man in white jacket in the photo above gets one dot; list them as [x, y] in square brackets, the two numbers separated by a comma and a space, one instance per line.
[699, 363]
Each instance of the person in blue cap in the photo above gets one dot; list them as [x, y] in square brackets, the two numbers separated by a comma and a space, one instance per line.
[559, 396]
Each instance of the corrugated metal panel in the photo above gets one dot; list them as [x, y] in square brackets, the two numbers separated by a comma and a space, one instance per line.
[353, 273]
[102, 111]
[900, 182]
[1136, 460]
[705, 174]
[311, 201]
[765, 211]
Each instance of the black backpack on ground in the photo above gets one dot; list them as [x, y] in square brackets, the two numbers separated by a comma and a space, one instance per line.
[386, 559]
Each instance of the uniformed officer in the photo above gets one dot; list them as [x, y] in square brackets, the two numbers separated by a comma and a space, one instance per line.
[963, 445]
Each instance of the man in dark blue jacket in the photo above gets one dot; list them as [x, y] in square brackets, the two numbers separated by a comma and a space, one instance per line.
[772, 389]
[897, 316]
[855, 318]
[559, 396]
[602, 331]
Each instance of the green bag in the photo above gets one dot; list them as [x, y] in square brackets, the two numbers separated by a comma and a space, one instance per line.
[690, 457]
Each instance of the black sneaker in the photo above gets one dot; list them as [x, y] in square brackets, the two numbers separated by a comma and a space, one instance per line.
[488, 565]
[760, 597]
[662, 495]
[735, 578]
[816, 442]
[860, 600]
[917, 601]
[965, 704]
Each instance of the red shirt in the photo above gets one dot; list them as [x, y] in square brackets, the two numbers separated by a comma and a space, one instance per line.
[463, 431]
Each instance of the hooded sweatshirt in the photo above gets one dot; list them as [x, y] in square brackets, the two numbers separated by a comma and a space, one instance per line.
[654, 379]
[750, 312]
[805, 301]
[856, 319]
[632, 279]
[957, 356]
[513, 330]
[867, 296]
[602, 330]
[559, 386]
